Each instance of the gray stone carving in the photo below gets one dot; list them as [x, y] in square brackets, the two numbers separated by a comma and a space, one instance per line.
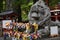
[39, 13]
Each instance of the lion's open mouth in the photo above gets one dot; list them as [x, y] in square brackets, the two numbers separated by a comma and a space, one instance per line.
[36, 18]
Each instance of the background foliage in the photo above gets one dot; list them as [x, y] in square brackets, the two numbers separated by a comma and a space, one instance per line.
[53, 2]
[24, 5]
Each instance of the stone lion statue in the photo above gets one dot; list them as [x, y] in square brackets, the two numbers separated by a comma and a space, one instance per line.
[39, 13]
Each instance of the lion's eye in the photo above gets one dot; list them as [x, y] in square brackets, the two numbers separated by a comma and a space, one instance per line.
[41, 7]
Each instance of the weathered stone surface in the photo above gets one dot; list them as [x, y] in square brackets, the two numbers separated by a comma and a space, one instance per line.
[39, 13]
[55, 38]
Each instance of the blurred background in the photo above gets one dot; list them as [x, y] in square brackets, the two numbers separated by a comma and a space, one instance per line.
[21, 8]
